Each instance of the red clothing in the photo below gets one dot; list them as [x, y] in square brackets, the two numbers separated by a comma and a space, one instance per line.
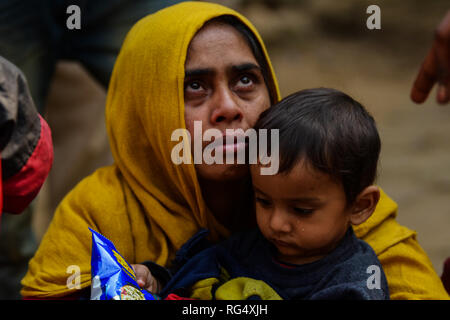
[173, 296]
[446, 275]
[25, 142]
[23, 187]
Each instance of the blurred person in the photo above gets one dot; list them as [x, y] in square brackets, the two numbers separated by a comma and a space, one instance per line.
[435, 68]
[26, 153]
[35, 37]
[26, 148]
[200, 67]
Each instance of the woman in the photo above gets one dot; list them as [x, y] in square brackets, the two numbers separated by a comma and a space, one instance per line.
[175, 67]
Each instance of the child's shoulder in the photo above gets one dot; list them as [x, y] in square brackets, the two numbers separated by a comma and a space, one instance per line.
[355, 256]
[363, 256]
[360, 272]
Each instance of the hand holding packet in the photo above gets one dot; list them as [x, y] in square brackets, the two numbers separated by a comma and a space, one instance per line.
[112, 277]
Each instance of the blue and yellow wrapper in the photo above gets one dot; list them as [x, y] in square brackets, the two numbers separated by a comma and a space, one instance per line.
[113, 278]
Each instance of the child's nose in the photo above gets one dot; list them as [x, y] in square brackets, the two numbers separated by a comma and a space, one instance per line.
[279, 222]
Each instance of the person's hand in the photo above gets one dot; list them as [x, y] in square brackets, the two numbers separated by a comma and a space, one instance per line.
[436, 67]
[145, 278]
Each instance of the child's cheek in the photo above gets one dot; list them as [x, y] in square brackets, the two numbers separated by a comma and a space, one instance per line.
[261, 221]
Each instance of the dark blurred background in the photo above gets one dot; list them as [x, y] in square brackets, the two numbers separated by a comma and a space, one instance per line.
[312, 44]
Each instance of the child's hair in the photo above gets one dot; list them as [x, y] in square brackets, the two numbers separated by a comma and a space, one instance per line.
[331, 131]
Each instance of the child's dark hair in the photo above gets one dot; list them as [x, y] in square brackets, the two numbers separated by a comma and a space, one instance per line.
[331, 131]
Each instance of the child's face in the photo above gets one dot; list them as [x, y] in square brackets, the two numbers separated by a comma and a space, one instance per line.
[303, 213]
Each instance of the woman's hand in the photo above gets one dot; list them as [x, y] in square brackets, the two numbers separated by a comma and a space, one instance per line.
[145, 278]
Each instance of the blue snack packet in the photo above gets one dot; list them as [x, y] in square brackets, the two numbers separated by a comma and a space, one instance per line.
[112, 277]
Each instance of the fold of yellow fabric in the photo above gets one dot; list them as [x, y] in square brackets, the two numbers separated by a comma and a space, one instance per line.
[144, 203]
[409, 271]
[242, 288]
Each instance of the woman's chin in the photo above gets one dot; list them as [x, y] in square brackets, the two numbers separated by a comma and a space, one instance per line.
[222, 172]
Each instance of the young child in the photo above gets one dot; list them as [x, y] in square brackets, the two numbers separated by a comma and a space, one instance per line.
[304, 247]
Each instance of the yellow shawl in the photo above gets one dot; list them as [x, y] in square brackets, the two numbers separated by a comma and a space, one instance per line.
[147, 205]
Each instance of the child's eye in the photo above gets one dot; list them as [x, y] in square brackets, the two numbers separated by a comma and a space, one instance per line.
[303, 211]
[262, 202]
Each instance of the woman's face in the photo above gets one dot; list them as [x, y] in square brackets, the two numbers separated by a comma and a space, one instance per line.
[224, 88]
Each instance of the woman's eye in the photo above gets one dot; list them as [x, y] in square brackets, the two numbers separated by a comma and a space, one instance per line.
[194, 85]
[194, 90]
[246, 81]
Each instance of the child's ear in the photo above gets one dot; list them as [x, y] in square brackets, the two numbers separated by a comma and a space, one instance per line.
[364, 205]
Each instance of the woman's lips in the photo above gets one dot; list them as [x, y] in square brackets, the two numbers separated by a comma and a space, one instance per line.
[234, 147]
[231, 144]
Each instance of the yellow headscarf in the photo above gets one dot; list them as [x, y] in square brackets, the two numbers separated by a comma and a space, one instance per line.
[144, 203]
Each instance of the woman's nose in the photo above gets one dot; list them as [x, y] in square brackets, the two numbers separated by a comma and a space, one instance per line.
[225, 107]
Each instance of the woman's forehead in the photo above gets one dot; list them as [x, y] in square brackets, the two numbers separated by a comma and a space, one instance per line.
[217, 41]
[213, 29]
